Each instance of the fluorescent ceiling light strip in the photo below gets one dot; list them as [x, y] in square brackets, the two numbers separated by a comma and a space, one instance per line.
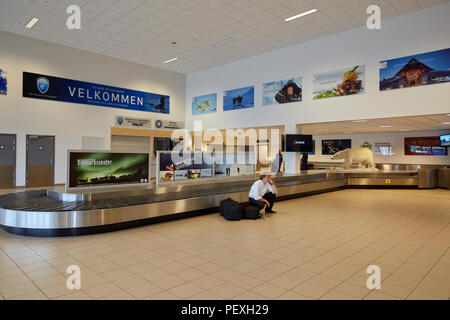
[386, 126]
[171, 60]
[222, 42]
[32, 23]
[300, 15]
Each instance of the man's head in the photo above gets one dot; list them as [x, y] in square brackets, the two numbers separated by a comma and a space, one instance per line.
[290, 90]
[264, 177]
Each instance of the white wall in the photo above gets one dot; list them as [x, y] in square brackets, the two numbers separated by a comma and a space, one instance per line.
[397, 139]
[418, 32]
[69, 121]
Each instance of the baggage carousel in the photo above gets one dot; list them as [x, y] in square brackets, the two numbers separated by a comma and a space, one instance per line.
[55, 212]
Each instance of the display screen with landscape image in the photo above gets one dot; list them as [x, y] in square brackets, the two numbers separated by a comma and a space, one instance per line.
[331, 147]
[236, 99]
[185, 166]
[204, 104]
[343, 82]
[424, 146]
[283, 91]
[107, 168]
[417, 70]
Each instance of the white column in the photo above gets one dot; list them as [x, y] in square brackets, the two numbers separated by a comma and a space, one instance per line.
[292, 159]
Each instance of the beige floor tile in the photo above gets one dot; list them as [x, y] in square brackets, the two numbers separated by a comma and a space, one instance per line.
[376, 295]
[209, 267]
[286, 281]
[78, 295]
[169, 282]
[12, 280]
[92, 281]
[122, 295]
[162, 295]
[418, 295]
[35, 295]
[51, 281]
[351, 290]
[249, 295]
[18, 290]
[116, 274]
[205, 295]
[129, 282]
[393, 290]
[335, 295]
[227, 290]
[310, 290]
[291, 295]
[144, 290]
[227, 274]
[207, 282]
[43, 273]
[102, 290]
[269, 290]
[185, 290]
[190, 274]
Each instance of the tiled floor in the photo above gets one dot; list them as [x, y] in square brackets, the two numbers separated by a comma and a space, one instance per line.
[316, 247]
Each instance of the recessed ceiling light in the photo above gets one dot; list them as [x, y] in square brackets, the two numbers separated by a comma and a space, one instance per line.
[405, 130]
[171, 60]
[32, 23]
[386, 126]
[222, 42]
[445, 122]
[300, 15]
[360, 120]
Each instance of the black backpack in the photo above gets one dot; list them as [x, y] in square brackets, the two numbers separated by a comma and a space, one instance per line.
[230, 209]
[251, 212]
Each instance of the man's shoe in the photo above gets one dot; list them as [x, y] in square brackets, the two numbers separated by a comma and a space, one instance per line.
[271, 211]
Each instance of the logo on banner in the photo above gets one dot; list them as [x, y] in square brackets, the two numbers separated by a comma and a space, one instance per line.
[120, 120]
[43, 84]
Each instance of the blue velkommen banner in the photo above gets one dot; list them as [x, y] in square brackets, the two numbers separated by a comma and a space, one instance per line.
[46, 87]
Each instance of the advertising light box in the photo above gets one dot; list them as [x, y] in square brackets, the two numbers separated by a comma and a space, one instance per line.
[91, 169]
[178, 166]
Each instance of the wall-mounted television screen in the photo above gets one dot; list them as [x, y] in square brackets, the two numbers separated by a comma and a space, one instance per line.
[445, 140]
[104, 168]
[299, 143]
[424, 146]
[330, 147]
[162, 144]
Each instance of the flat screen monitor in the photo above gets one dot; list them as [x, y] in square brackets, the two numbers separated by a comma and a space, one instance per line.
[162, 144]
[445, 140]
[331, 147]
[299, 143]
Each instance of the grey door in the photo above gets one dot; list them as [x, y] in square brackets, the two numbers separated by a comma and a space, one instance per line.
[40, 161]
[7, 161]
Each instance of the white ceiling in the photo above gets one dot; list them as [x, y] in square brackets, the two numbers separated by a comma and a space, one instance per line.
[142, 31]
[413, 123]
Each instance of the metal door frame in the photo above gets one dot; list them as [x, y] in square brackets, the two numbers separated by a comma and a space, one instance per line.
[26, 155]
[15, 154]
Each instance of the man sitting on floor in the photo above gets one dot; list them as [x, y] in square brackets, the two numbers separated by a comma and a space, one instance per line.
[262, 194]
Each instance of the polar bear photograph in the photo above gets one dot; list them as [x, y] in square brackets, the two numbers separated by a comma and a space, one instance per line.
[357, 155]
